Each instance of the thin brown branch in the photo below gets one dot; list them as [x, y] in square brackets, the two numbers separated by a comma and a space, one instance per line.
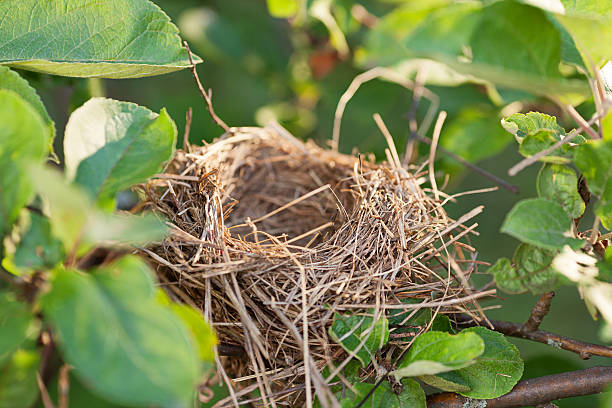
[583, 349]
[536, 391]
[206, 95]
[538, 312]
[473, 167]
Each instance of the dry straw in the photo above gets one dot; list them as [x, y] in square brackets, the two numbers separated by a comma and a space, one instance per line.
[270, 237]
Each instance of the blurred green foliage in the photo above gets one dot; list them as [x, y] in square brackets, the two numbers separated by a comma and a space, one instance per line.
[262, 68]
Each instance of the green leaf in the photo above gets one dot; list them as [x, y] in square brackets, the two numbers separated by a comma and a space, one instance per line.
[283, 8]
[38, 249]
[542, 223]
[142, 354]
[18, 387]
[351, 330]
[493, 374]
[111, 145]
[437, 352]
[560, 183]
[201, 331]
[507, 43]
[79, 395]
[521, 125]
[15, 319]
[535, 143]
[10, 80]
[123, 229]
[532, 271]
[81, 38]
[412, 396]
[68, 207]
[594, 160]
[23, 139]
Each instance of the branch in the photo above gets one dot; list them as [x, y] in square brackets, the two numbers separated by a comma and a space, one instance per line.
[536, 391]
[538, 312]
[583, 349]
[206, 95]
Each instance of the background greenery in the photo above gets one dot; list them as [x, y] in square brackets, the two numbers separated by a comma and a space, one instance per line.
[263, 68]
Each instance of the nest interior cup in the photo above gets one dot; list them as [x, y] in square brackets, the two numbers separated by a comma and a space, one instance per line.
[272, 236]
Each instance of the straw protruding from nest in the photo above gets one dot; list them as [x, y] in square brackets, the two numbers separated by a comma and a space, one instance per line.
[271, 237]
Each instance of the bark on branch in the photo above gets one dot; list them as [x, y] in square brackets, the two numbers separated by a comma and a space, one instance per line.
[536, 391]
[583, 349]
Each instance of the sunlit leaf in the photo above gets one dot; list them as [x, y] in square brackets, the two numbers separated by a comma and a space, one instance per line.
[437, 352]
[350, 331]
[542, 223]
[123, 344]
[111, 145]
[532, 271]
[560, 183]
[283, 8]
[494, 373]
[10, 80]
[24, 138]
[81, 38]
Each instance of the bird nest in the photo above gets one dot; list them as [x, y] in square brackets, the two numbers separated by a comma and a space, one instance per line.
[272, 236]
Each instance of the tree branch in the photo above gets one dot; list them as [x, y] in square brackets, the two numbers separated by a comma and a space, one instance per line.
[536, 391]
[583, 349]
[538, 312]
[206, 95]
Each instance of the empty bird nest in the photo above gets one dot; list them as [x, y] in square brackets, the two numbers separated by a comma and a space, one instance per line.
[271, 237]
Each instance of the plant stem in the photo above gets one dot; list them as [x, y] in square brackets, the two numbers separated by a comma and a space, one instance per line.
[583, 349]
[536, 391]
[538, 312]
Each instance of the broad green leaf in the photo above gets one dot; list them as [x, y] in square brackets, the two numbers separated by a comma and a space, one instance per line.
[594, 160]
[10, 80]
[542, 223]
[81, 38]
[493, 374]
[15, 319]
[504, 42]
[412, 396]
[437, 352]
[123, 229]
[560, 183]
[532, 271]
[201, 331]
[111, 145]
[18, 387]
[475, 134]
[537, 142]
[283, 8]
[38, 249]
[537, 131]
[67, 206]
[350, 331]
[142, 354]
[75, 221]
[24, 138]
[521, 125]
